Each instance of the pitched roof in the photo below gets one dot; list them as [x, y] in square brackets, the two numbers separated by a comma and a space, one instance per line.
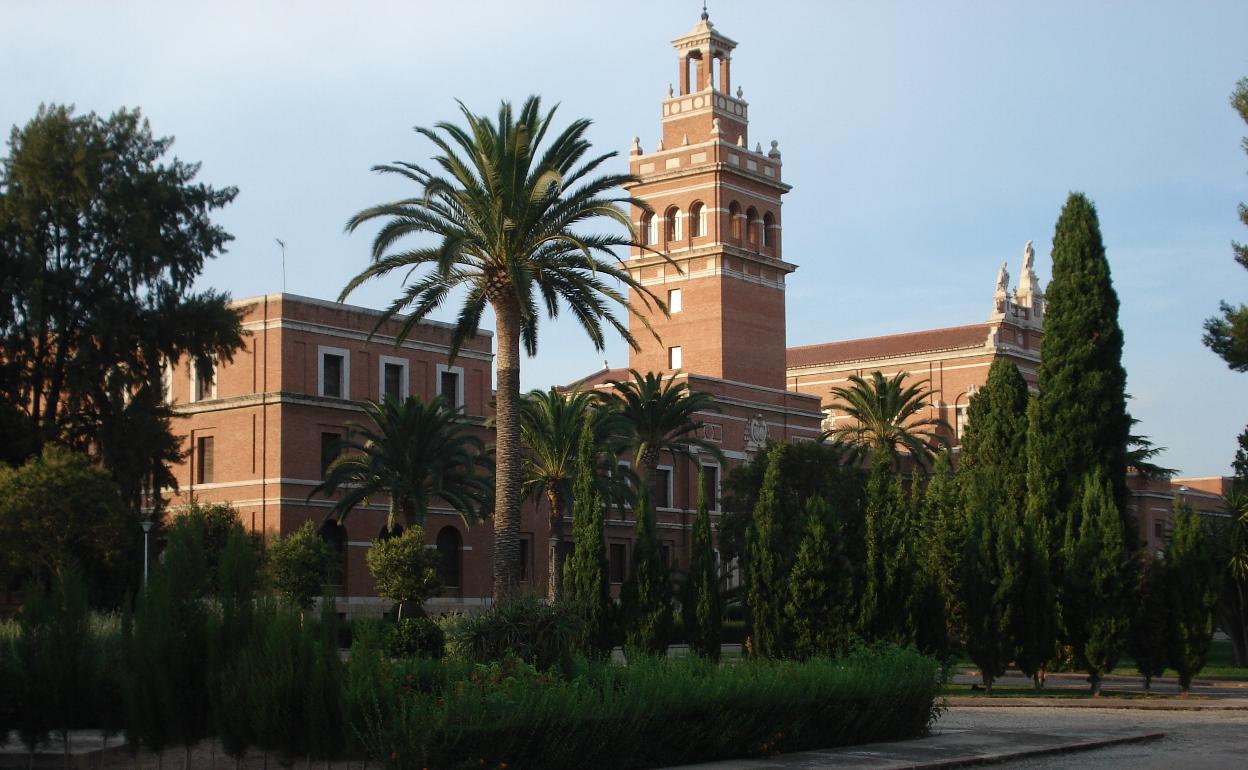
[600, 377]
[890, 346]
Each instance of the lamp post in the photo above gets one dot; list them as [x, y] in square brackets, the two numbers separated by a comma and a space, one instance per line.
[147, 528]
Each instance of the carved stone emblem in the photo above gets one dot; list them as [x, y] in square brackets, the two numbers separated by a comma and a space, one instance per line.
[755, 433]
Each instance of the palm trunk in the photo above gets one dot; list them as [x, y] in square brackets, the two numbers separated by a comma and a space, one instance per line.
[554, 585]
[507, 470]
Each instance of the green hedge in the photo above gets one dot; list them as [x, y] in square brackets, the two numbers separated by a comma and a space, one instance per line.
[651, 713]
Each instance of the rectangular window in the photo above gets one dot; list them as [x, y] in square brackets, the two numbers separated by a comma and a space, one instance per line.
[673, 357]
[333, 376]
[451, 384]
[204, 383]
[333, 372]
[392, 385]
[204, 459]
[1159, 528]
[617, 562]
[666, 549]
[673, 300]
[661, 488]
[329, 450]
[392, 377]
[710, 486]
[524, 560]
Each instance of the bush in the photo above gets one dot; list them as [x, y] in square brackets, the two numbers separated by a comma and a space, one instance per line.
[296, 565]
[653, 713]
[415, 638]
[537, 633]
[405, 570]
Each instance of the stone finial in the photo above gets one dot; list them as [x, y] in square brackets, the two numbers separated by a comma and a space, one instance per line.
[684, 140]
[775, 150]
[740, 93]
[670, 91]
[740, 140]
[714, 126]
[660, 146]
[636, 148]
[1003, 281]
[758, 148]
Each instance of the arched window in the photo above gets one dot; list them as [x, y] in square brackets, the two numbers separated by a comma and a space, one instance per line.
[449, 552]
[697, 220]
[674, 229]
[649, 229]
[734, 220]
[751, 225]
[769, 222]
[335, 536]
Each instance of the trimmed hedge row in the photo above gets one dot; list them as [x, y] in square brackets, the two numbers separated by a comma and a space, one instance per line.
[649, 713]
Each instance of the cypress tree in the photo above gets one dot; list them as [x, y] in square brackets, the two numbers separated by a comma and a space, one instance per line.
[585, 586]
[943, 514]
[702, 605]
[229, 632]
[765, 579]
[988, 590]
[1101, 581]
[1191, 596]
[1034, 625]
[1149, 626]
[820, 592]
[1080, 422]
[646, 596]
[885, 607]
[926, 608]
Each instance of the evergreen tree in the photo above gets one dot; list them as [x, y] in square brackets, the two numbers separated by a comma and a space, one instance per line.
[943, 515]
[1080, 422]
[1151, 621]
[404, 570]
[926, 608]
[229, 632]
[1035, 610]
[988, 589]
[646, 596]
[820, 605]
[1227, 334]
[765, 577]
[702, 605]
[585, 583]
[884, 613]
[1101, 581]
[1191, 596]
[296, 565]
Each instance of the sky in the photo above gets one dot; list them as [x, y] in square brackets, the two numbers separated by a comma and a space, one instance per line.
[926, 142]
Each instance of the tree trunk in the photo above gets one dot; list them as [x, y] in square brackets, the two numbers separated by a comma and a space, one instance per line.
[554, 584]
[507, 470]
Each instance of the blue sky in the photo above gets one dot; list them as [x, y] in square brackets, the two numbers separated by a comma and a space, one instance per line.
[926, 142]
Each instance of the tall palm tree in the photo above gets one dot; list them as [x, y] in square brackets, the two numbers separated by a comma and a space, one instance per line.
[885, 415]
[550, 432]
[504, 216]
[415, 453]
[660, 416]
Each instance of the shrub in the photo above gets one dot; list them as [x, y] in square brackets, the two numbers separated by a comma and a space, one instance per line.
[404, 569]
[297, 564]
[652, 713]
[415, 638]
[537, 633]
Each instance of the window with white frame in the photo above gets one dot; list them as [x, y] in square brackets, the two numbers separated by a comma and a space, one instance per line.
[392, 377]
[661, 487]
[710, 486]
[203, 382]
[674, 303]
[450, 384]
[960, 420]
[333, 372]
[673, 357]
[166, 382]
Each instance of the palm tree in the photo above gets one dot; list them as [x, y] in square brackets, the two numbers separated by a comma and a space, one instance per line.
[885, 416]
[660, 416]
[550, 432]
[504, 217]
[415, 453]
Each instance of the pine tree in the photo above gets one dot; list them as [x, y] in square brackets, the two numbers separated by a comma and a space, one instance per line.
[765, 579]
[1080, 421]
[884, 614]
[702, 605]
[1191, 593]
[1151, 621]
[646, 596]
[820, 607]
[1101, 581]
[585, 586]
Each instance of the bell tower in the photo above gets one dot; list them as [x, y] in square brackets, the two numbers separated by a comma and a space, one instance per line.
[716, 215]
